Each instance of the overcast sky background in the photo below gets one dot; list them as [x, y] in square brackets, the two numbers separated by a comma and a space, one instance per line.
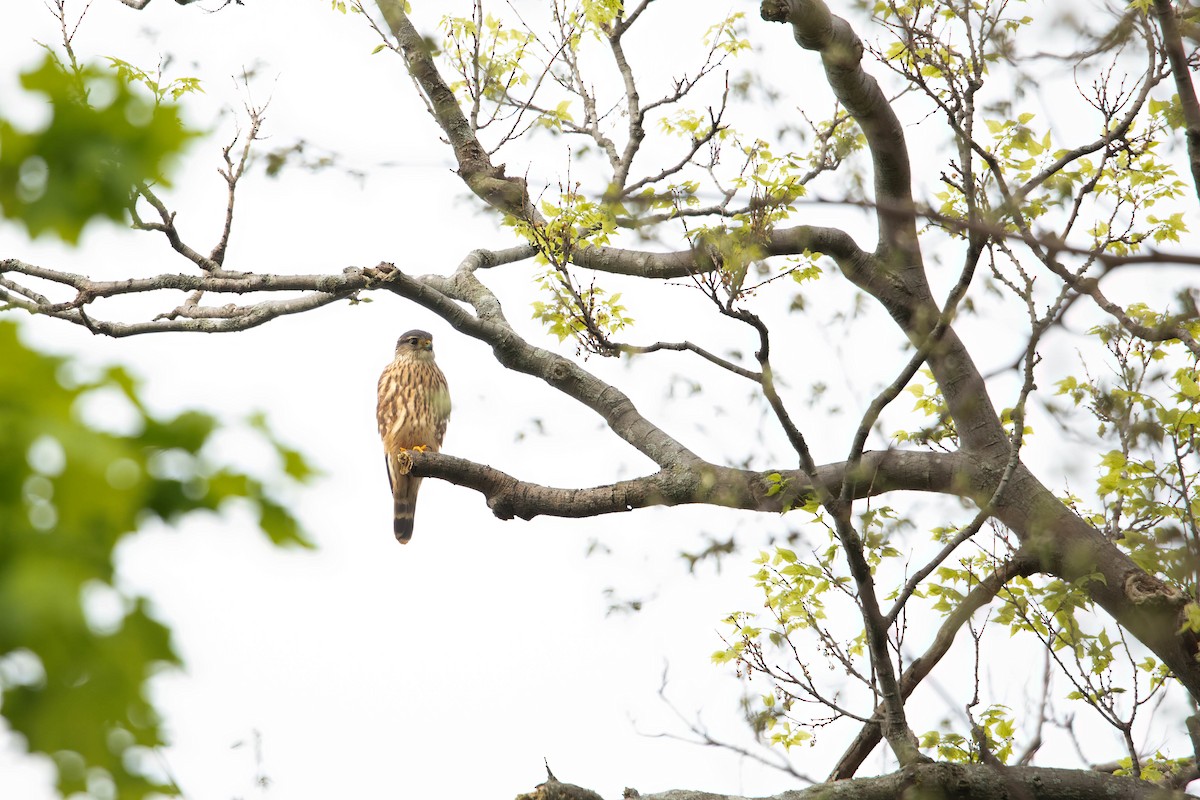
[454, 665]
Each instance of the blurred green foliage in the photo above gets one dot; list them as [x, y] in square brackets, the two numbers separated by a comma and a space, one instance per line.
[104, 136]
[76, 649]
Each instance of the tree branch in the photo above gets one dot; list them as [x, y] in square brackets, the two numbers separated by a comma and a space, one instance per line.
[832, 242]
[868, 737]
[962, 782]
[1164, 12]
[167, 228]
[879, 472]
[700, 351]
[815, 28]
[444, 295]
[488, 181]
[232, 174]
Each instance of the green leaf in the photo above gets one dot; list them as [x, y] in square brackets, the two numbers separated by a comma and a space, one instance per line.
[1188, 386]
[70, 495]
[86, 161]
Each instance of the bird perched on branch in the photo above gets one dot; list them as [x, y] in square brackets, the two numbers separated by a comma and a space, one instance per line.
[414, 406]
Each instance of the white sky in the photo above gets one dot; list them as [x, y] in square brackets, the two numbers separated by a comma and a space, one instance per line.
[465, 658]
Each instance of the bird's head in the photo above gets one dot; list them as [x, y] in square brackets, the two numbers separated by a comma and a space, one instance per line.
[415, 344]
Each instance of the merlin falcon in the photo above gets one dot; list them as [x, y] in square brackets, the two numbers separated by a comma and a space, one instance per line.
[414, 406]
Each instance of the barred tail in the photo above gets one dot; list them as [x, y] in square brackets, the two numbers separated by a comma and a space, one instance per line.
[405, 506]
[403, 522]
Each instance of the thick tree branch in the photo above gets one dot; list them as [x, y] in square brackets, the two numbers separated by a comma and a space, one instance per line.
[1048, 247]
[488, 181]
[1072, 549]
[1047, 239]
[895, 274]
[320, 290]
[1068, 546]
[1164, 12]
[1056, 540]
[833, 242]
[890, 392]
[351, 279]
[879, 472]
[217, 280]
[815, 28]
[961, 782]
[988, 471]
